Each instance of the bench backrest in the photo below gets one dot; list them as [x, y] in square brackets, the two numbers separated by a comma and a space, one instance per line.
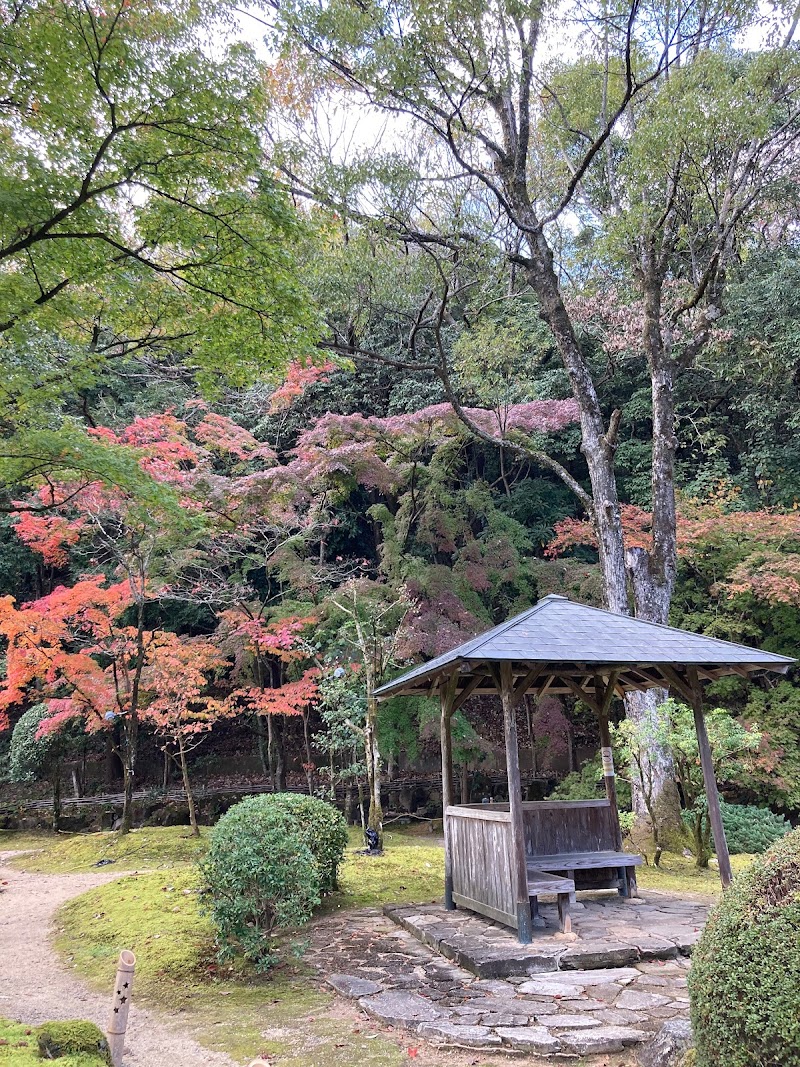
[558, 826]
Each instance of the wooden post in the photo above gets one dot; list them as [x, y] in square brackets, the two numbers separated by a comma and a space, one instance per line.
[712, 794]
[520, 868]
[120, 1005]
[603, 696]
[447, 697]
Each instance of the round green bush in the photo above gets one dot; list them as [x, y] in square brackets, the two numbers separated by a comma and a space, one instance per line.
[748, 829]
[744, 983]
[322, 827]
[258, 877]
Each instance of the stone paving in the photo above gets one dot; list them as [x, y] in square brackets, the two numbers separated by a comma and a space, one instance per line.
[607, 931]
[569, 1009]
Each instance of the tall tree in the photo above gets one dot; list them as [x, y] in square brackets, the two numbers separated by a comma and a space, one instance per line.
[657, 149]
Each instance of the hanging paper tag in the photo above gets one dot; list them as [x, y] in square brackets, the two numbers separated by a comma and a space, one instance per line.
[607, 756]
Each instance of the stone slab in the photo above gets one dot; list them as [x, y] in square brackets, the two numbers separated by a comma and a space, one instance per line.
[550, 987]
[400, 1009]
[455, 1034]
[603, 1039]
[530, 1039]
[568, 1022]
[608, 933]
[348, 985]
[641, 1000]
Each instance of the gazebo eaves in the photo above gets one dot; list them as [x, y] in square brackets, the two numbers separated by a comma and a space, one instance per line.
[570, 639]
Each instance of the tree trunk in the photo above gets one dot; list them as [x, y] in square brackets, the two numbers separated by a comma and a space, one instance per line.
[131, 723]
[664, 805]
[309, 766]
[278, 754]
[373, 761]
[188, 789]
[57, 798]
[126, 822]
[652, 575]
[361, 811]
[465, 782]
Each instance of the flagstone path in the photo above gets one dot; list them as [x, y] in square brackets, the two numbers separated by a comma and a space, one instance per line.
[566, 1010]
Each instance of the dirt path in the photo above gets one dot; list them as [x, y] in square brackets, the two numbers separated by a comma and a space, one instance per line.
[36, 987]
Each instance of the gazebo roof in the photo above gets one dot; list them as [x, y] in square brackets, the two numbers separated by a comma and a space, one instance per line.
[565, 644]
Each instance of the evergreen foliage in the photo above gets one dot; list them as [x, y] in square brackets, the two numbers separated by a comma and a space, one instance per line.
[744, 983]
[321, 826]
[750, 829]
[259, 877]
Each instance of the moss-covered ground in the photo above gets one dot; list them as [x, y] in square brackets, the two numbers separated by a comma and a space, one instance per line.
[19, 1048]
[153, 910]
[145, 849]
[678, 874]
[289, 1016]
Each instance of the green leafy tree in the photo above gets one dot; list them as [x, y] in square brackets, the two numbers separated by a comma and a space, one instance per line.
[637, 169]
[34, 757]
[137, 219]
[731, 744]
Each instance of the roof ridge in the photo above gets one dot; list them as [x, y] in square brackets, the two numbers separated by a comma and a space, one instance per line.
[673, 629]
[481, 639]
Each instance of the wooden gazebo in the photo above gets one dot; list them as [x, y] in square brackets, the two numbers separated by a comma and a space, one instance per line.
[499, 857]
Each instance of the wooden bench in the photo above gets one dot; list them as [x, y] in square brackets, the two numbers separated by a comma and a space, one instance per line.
[578, 839]
[543, 882]
[569, 845]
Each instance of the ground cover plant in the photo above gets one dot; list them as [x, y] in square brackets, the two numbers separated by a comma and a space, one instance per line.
[144, 849]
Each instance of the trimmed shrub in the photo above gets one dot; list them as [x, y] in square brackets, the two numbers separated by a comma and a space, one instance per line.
[748, 829]
[70, 1038]
[744, 983]
[751, 829]
[259, 877]
[322, 827]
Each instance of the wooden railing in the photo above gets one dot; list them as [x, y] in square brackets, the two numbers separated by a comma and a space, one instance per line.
[479, 841]
[479, 845]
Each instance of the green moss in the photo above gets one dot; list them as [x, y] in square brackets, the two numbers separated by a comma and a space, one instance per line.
[74, 1036]
[155, 915]
[411, 869]
[19, 1047]
[160, 847]
[678, 874]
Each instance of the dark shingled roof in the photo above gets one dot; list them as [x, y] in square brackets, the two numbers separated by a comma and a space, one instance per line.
[576, 641]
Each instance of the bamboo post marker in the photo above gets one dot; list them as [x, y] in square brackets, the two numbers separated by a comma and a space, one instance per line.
[120, 1005]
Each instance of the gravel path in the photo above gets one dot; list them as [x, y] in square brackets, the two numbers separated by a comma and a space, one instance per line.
[36, 987]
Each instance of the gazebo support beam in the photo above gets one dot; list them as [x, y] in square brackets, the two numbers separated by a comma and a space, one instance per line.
[447, 695]
[712, 794]
[510, 696]
[604, 693]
